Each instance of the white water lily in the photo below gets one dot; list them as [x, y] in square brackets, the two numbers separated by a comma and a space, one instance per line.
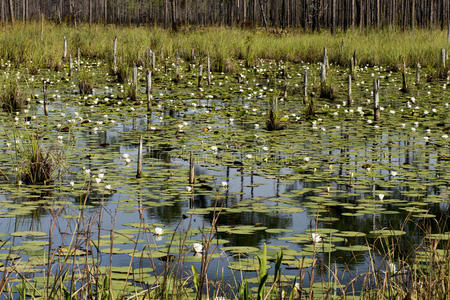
[158, 230]
[72, 183]
[381, 197]
[316, 238]
[198, 248]
[249, 156]
[394, 173]
[98, 180]
[125, 155]
[108, 187]
[188, 189]
[101, 175]
[224, 184]
[392, 268]
[306, 158]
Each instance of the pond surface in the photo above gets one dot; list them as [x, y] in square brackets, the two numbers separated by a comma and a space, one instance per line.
[357, 183]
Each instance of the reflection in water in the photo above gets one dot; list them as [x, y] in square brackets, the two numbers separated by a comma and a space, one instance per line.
[332, 169]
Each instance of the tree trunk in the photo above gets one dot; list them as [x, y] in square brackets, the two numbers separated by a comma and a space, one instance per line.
[174, 15]
[105, 11]
[11, 12]
[166, 14]
[333, 16]
[90, 12]
[378, 14]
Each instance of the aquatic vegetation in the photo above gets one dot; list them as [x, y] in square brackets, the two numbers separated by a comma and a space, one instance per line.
[36, 163]
[329, 206]
[273, 122]
[11, 99]
[85, 83]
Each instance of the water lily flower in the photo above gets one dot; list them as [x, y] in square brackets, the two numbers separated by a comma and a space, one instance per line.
[87, 171]
[72, 183]
[224, 184]
[108, 187]
[381, 196]
[198, 248]
[125, 155]
[316, 238]
[426, 138]
[158, 230]
[188, 189]
[306, 158]
[101, 175]
[394, 173]
[265, 148]
[392, 268]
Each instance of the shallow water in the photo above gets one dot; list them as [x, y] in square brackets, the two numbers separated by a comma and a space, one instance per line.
[323, 173]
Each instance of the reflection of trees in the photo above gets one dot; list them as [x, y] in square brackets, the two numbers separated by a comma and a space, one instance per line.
[254, 219]
[167, 214]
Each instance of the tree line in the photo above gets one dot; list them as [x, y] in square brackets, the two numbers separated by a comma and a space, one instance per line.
[312, 15]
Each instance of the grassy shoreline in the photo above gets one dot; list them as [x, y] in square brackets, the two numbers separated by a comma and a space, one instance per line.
[43, 45]
[77, 263]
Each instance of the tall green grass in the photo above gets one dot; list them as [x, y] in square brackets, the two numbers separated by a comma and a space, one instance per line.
[28, 43]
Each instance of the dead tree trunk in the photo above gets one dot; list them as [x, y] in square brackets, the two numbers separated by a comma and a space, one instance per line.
[11, 12]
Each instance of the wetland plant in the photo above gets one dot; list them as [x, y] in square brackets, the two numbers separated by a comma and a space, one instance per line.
[326, 91]
[11, 98]
[85, 83]
[131, 91]
[273, 122]
[37, 163]
[122, 73]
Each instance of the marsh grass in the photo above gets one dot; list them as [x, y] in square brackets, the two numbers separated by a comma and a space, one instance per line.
[37, 162]
[274, 122]
[386, 47]
[326, 91]
[85, 83]
[11, 98]
[122, 73]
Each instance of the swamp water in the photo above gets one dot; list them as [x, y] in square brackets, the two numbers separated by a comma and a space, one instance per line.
[372, 191]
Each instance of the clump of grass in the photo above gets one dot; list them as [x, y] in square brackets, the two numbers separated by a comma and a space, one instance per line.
[273, 122]
[440, 74]
[33, 69]
[85, 83]
[131, 92]
[37, 163]
[122, 73]
[310, 109]
[11, 98]
[326, 91]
